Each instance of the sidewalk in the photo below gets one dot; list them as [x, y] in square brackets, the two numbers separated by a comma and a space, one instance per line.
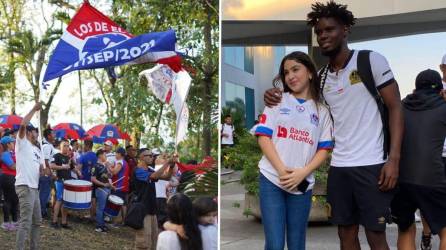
[241, 232]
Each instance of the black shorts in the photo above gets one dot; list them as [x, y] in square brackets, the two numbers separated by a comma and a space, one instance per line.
[353, 197]
[430, 200]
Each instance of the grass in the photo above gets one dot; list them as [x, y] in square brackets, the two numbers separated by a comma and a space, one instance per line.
[81, 236]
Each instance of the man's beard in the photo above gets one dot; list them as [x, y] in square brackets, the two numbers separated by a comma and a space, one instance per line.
[332, 53]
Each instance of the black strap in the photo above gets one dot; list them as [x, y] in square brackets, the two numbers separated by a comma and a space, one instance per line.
[323, 78]
[365, 73]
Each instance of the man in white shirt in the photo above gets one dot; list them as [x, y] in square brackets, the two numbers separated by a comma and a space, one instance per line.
[45, 180]
[111, 157]
[227, 132]
[161, 191]
[29, 167]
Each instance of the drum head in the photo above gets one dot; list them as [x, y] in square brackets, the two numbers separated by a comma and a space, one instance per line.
[115, 199]
[77, 183]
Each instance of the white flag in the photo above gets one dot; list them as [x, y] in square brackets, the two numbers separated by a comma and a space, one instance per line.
[171, 88]
[180, 90]
[182, 124]
[160, 80]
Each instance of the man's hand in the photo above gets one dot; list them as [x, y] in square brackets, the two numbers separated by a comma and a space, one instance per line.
[389, 175]
[173, 160]
[272, 97]
[224, 135]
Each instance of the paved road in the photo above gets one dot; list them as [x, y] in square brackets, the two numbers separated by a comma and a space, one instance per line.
[241, 232]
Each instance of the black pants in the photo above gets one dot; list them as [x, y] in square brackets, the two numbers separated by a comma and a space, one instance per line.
[161, 215]
[11, 204]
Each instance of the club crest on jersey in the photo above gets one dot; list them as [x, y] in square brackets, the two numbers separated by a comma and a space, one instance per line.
[284, 111]
[354, 77]
[300, 108]
[314, 119]
[262, 119]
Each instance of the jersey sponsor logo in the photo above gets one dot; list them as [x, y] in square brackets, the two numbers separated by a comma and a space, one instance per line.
[282, 132]
[262, 119]
[354, 77]
[300, 135]
[284, 111]
[300, 108]
[314, 119]
[294, 134]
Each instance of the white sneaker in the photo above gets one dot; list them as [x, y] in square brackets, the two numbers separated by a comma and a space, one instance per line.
[5, 225]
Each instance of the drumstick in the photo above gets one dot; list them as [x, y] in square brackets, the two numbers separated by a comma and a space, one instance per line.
[118, 180]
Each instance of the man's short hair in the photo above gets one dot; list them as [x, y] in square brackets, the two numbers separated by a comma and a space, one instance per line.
[330, 9]
[100, 152]
[88, 143]
[142, 150]
[47, 132]
[73, 142]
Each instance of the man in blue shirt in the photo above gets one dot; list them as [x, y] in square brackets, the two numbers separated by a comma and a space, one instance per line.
[86, 162]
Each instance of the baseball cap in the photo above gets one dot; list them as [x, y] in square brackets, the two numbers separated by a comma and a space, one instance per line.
[443, 61]
[428, 79]
[120, 151]
[156, 151]
[6, 140]
[108, 143]
[31, 128]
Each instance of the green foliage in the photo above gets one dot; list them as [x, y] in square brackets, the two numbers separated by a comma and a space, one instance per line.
[245, 156]
[203, 185]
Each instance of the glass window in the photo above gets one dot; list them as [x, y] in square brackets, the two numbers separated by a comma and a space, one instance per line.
[234, 56]
[249, 60]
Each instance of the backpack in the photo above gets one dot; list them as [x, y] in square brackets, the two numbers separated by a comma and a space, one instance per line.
[365, 73]
[136, 212]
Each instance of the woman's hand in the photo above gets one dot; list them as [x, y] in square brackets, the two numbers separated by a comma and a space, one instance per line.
[293, 177]
[179, 229]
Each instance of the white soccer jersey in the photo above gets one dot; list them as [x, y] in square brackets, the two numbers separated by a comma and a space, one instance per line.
[358, 130]
[297, 131]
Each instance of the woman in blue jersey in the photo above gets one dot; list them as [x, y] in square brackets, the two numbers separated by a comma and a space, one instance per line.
[295, 137]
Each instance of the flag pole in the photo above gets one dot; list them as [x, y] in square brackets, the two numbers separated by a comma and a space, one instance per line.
[40, 124]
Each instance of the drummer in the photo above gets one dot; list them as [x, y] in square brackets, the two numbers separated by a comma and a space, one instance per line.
[101, 179]
[61, 163]
[120, 173]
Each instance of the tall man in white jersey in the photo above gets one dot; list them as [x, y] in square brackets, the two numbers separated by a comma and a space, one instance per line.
[29, 167]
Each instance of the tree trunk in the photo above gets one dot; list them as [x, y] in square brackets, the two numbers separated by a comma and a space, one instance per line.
[207, 85]
[80, 93]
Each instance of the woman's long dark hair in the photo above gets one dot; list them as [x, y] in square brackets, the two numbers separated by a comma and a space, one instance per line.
[304, 59]
[180, 211]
